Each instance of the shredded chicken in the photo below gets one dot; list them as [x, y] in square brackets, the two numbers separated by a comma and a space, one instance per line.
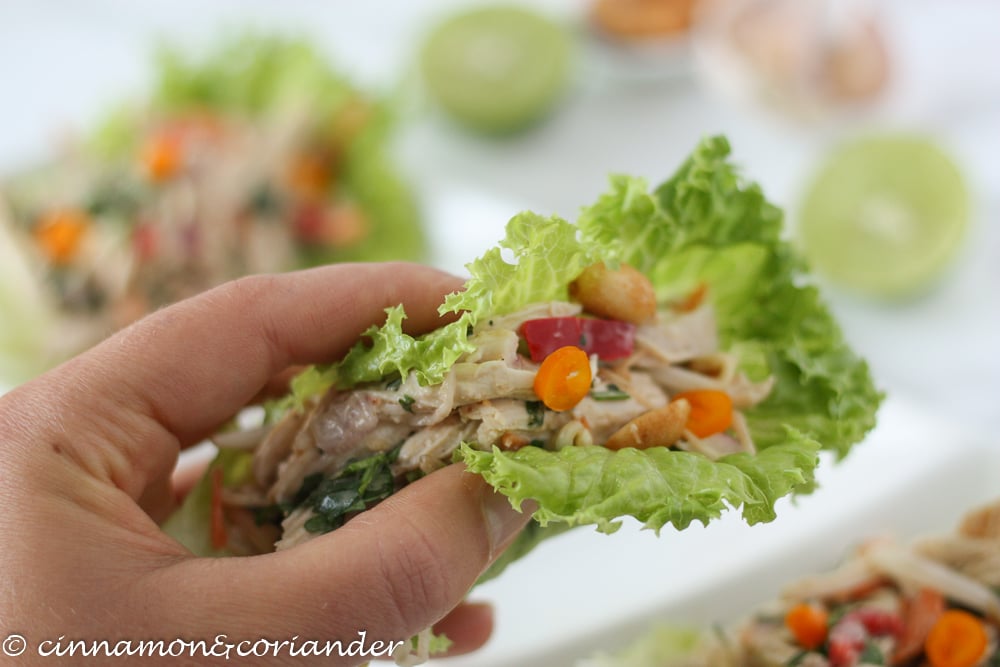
[744, 393]
[679, 338]
[429, 449]
[909, 567]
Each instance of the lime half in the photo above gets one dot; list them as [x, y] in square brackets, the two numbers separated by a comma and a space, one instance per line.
[885, 215]
[497, 69]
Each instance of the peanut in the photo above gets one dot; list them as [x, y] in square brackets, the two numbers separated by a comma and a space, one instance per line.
[623, 294]
[661, 427]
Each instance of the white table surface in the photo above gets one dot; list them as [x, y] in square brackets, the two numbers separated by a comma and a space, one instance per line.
[62, 63]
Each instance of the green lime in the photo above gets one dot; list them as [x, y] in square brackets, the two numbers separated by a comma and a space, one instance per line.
[497, 69]
[885, 215]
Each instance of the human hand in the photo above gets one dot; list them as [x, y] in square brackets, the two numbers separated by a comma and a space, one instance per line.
[89, 449]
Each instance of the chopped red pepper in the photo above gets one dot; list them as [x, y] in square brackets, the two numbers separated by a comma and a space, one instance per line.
[880, 622]
[608, 339]
[846, 641]
[850, 634]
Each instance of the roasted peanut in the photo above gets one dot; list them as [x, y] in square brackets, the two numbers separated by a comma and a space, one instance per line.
[623, 294]
[661, 427]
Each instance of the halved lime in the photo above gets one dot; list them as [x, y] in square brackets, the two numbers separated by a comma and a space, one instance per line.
[497, 69]
[885, 215]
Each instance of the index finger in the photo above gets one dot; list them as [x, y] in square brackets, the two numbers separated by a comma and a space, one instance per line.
[194, 365]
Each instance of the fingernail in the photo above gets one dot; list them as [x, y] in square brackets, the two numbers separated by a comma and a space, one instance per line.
[503, 522]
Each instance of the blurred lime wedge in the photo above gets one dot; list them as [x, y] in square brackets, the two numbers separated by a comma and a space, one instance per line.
[885, 215]
[497, 69]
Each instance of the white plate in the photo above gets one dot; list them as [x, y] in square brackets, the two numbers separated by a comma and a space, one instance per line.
[584, 592]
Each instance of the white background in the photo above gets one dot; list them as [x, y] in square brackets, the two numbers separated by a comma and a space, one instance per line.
[63, 63]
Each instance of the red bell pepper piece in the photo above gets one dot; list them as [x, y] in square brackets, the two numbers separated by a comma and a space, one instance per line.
[608, 339]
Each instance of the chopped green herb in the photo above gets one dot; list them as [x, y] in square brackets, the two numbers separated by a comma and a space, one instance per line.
[407, 402]
[318, 524]
[536, 413]
[583, 340]
[537, 443]
[611, 393]
[359, 485]
[394, 384]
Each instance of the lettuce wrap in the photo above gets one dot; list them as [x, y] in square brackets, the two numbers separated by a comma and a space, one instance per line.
[255, 156]
[930, 602]
[734, 316]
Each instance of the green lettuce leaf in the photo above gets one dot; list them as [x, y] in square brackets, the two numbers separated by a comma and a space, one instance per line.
[392, 352]
[595, 485]
[387, 352]
[549, 256]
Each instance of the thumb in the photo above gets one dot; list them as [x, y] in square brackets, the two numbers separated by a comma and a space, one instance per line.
[391, 571]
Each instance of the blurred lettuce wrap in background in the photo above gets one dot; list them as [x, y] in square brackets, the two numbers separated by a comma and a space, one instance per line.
[930, 603]
[739, 351]
[254, 157]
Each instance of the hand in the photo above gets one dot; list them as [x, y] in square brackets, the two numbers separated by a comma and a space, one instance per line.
[89, 448]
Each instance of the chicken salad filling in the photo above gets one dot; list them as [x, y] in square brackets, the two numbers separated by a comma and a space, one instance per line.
[659, 380]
